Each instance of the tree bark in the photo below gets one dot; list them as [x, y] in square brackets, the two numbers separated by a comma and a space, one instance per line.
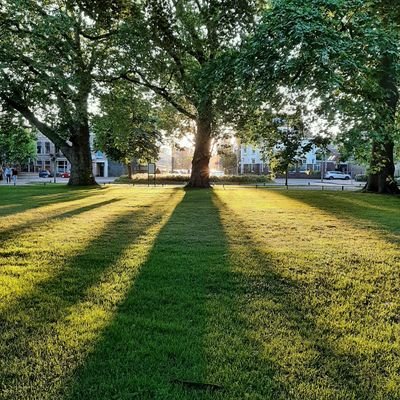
[200, 176]
[381, 178]
[80, 157]
[381, 175]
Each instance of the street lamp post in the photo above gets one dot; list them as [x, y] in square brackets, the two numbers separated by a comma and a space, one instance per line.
[53, 158]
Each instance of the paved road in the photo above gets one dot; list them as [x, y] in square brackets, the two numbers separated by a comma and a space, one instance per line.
[306, 183]
[317, 182]
[29, 179]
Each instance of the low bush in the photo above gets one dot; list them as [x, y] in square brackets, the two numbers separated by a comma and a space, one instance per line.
[360, 178]
[174, 179]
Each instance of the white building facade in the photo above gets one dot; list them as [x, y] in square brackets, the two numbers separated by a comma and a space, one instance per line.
[253, 161]
[50, 158]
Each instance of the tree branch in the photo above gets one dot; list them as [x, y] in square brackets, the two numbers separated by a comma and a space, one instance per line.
[60, 95]
[17, 104]
[160, 91]
[97, 37]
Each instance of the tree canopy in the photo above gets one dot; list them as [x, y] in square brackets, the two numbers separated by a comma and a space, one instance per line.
[17, 144]
[128, 127]
[339, 56]
[48, 53]
[177, 56]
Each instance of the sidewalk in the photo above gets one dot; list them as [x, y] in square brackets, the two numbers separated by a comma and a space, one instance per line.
[28, 179]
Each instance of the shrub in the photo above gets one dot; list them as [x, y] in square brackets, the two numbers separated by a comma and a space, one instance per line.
[174, 179]
[361, 178]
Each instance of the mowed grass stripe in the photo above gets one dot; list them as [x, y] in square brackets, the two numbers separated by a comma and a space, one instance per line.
[155, 346]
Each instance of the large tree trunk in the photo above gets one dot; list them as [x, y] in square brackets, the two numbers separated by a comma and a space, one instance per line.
[79, 155]
[381, 175]
[200, 177]
[381, 178]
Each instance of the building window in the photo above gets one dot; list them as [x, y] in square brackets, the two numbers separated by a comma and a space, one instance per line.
[253, 160]
[39, 163]
[244, 150]
[254, 151]
[47, 164]
[39, 148]
[62, 166]
[47, 147]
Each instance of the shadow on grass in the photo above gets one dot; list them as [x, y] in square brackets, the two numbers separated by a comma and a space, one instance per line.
[154, 347]
[38, 351]
[23, 198]
[35, 224]
[311, 360]
[363, 210]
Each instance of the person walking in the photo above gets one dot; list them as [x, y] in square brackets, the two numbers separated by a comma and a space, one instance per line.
[14, 175]
[8, 173]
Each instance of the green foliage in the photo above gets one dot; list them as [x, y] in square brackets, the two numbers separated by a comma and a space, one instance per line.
[48, 55]
[174, 179]
[229, 160]
[174, 48]
[55, 87]
[338, 61]
[342, 55]
[17, 144]
[127, 127]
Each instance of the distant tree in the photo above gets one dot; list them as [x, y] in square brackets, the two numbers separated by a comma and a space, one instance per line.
[286, 145]
[228, 157]
[17, 143]
[127, 128]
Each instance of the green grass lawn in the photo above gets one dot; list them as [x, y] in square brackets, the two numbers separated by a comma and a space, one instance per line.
[137, 293]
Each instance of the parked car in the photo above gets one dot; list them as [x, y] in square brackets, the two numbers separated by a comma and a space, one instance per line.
[337, 175]
[65, 174]
[45, 174]
[217, 173]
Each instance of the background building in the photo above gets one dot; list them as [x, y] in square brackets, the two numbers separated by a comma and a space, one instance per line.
[46, 151]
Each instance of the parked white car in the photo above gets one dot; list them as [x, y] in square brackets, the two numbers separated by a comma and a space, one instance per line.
[217, 173]
[336, 175]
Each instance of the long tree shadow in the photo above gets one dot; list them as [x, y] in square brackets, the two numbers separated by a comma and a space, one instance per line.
[179, 334]
[34, 197]
[314, 355]
[43, 338]
[153, 348]
[37, 223]
[381, 213]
